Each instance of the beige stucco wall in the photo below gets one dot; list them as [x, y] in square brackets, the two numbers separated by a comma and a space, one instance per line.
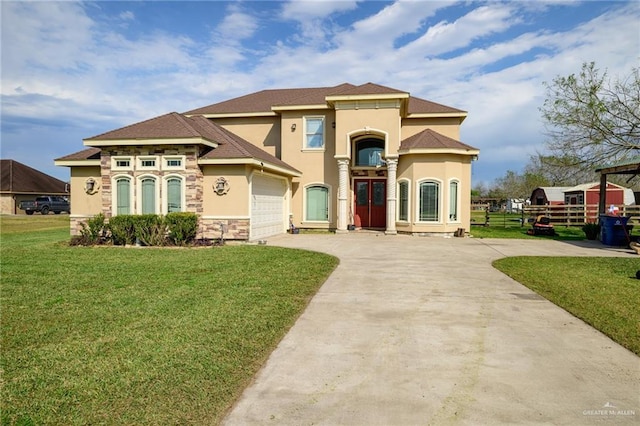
[84, 204]
[441, 168]
[350, 122]
[264, 132]
[448, 126]
[235, 203]
[317, 166]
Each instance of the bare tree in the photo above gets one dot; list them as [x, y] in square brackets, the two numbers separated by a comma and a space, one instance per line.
[590, 120]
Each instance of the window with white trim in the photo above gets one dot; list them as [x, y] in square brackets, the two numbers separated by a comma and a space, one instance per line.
[429, 201]
[147, 163]
[174, 190]
[122, 196]
[173, 162]
[453, 200]
[121, 163]
[317, 203]
[314, 133]
[148, 195]
[403, 201]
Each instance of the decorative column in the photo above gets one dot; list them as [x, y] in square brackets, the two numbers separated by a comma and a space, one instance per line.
[343, 187]
[392, 168]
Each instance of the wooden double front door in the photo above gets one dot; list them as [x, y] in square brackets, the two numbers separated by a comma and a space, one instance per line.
[370, 203]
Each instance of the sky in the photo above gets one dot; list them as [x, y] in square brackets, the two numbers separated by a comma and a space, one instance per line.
[73, 70]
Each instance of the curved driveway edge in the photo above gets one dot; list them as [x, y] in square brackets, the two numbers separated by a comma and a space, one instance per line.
[424, 331]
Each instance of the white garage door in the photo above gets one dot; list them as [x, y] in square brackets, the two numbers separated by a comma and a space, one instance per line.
[267, 207]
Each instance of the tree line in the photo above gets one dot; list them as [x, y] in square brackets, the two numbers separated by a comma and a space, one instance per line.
[590, 120]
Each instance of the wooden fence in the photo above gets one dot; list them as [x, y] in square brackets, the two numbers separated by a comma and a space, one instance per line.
[575, 214]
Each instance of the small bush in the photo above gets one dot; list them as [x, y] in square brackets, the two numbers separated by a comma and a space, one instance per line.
[123, 229]
[591, 230]
[93, 232]
[151, 229]
[182, 227]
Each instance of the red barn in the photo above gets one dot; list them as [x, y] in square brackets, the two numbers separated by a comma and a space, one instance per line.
[589, 193]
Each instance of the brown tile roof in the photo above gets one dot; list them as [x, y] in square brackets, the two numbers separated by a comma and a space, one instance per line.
[168, 126]
[422, 106]
[174, 125]
[367, 89]
[17, 178]
[264, 100]
[85, 154]
[429, 139]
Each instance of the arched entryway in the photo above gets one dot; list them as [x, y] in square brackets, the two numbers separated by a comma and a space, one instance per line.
[369, 187]
[367, 179]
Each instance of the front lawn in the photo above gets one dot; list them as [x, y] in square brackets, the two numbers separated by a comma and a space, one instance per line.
[602, 291]
[139, 336]
[495, 231]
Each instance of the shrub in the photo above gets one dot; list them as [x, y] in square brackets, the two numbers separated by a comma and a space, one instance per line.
[123, 229]
[94, 231]
[591, 230]
[182, 227]
[151, 229]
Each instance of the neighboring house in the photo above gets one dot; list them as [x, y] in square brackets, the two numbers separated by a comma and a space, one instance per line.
[515, 205]
[326, 158]
[587, 193]
[19, 182]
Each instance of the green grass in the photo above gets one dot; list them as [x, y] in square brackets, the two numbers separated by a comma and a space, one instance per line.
[139, 336]
[563, 232]
[603, 292]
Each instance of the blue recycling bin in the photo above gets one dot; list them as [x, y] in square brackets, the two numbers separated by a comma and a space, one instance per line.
[613, 230]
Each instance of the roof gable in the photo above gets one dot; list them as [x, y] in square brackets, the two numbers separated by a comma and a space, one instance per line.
[431, 140]
[224, 144]
[264, 101]
[168, 126]
[16, 177]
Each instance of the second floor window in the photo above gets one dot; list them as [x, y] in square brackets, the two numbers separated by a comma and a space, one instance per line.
[314, 133]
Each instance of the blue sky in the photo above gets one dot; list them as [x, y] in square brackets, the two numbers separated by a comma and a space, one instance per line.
[72, 70]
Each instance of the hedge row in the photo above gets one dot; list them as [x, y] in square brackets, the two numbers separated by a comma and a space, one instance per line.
[148, 229]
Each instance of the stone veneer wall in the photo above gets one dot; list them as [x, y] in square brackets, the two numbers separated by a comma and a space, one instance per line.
[235, 229]
[192, 173]
[75, 223]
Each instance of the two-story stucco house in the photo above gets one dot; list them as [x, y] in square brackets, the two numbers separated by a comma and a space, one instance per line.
[335, 158]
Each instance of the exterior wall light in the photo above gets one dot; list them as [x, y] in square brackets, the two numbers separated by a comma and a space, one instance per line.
[293, 127]
[221, 186]
[91, 186]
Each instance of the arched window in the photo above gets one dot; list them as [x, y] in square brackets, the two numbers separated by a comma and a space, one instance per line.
[369, 152]
[148, 195]
[317, 203]
[429, 201]
[453, 201]
[174, 195]
[123, 195]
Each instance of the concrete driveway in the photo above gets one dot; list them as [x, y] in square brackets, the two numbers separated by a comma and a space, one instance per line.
[423, 331]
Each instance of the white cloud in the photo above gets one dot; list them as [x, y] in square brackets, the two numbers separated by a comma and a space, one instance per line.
[127, 16]
[58, 64]
[313, 9]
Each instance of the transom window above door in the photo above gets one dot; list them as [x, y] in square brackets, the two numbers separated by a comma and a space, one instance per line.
[369, 153]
